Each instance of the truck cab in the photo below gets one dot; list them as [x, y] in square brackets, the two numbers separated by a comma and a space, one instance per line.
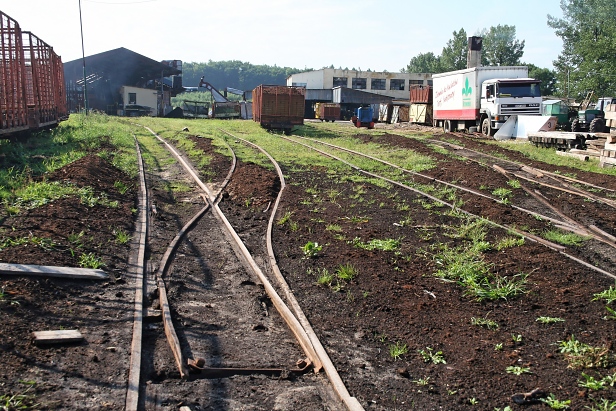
[502, 98]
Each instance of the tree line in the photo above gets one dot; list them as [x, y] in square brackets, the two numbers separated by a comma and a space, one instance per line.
[235, 74]
[586, 63]
[500, 48]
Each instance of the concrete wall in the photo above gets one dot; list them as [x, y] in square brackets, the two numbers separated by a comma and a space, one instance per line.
[144, 97]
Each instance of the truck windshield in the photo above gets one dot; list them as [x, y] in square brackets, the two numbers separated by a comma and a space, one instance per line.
[519, 90]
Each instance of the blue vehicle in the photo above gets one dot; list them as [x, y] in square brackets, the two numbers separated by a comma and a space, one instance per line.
[363, 117]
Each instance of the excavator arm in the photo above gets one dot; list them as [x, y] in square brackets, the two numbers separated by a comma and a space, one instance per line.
[219, 98]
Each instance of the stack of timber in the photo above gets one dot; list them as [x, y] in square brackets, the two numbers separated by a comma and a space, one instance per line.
[561, 140]
[608, 154]
[610, 117]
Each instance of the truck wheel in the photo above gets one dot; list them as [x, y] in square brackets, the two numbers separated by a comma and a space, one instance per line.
[486, 127]
[575, 125]
[597, 125]
[447, 126]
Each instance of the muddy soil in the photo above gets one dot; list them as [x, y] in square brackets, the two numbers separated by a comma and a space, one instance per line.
[393, 301]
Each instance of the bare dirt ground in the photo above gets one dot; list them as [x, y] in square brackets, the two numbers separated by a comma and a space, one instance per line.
[394, 300]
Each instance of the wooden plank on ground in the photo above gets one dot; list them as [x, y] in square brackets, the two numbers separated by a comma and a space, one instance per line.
[583, 157]
[57, 336]
[51, 271]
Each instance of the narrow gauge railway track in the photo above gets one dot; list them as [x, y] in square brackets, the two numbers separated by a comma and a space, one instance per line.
[549, 189]
[568, 224]
[218, 324]
[549, 211]
[533, 174]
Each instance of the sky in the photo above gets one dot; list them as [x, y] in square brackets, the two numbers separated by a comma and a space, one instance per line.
[363, 34]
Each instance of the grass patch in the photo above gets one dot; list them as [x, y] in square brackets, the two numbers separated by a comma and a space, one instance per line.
[397, 350]
[90, 260]
[565, 238]
[485, 323]
[389, 244]
[608, 295]
[582, 355]
[346, 272]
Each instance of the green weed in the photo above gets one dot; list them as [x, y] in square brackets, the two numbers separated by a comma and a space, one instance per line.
[603, 405]
[121, 236]
[311, 249]
[121, 187]
[517, 370]
[389, 244]
[555, 404]
[334, 227]
[286, 217]
[346, 272]
[90, 260]
[503, 194]
[514, 184]
[429, 355]
[564, 238]
[484, 322]
[398, 349]
[608, 295]
[509, 242]
[581, 355]
[549, 320]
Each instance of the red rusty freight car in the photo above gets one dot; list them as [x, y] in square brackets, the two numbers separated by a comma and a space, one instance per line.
[278, 107]
[32, 90]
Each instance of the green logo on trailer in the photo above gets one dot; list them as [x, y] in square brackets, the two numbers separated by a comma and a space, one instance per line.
[467, 92]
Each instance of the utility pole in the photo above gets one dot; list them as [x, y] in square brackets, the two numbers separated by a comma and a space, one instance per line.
[83, 58]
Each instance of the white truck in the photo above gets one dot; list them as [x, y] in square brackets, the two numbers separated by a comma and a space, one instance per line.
[483, 97]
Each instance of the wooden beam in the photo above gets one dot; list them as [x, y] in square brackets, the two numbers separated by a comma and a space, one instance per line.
[51, 271]
[57, 336]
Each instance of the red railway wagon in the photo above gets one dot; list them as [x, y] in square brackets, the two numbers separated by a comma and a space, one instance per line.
[32, 90]
[278, 107]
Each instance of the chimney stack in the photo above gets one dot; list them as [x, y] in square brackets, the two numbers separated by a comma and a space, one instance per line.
[473, 56]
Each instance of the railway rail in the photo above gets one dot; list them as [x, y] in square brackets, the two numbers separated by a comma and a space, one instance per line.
[565, 223]
[188, 342]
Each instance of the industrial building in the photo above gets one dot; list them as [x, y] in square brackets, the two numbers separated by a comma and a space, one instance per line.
[353, 88]
[122, 82]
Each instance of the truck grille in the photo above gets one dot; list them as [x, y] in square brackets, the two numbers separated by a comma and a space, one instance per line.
[509, 109]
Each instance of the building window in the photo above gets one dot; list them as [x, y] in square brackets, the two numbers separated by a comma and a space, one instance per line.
[377, 84]
[420, 82]
[358, 83]
[340, 82]
[132, 98]
[396, 84]
[429, 82]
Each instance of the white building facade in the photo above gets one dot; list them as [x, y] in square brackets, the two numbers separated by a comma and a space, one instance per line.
[395, 85]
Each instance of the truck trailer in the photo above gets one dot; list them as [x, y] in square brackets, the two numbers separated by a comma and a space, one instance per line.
[484, 98]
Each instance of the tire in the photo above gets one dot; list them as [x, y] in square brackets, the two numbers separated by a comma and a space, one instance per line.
[486, 127]
[447, 126]
[597, 125]
[575, 125]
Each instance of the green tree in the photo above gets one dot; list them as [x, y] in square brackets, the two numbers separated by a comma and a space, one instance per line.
[453, 56]
[547, 77]
[424, 63]
[500, 46]
[587, 60]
